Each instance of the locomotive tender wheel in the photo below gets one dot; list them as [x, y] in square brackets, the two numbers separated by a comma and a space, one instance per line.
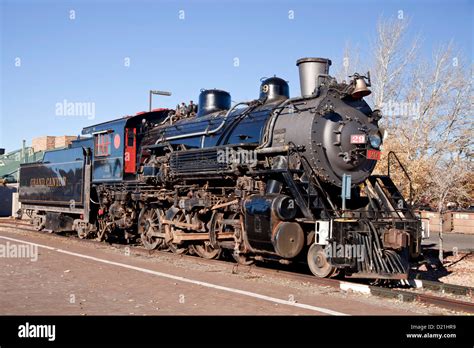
[81, 234]
[38, 223]
[149, 221]
[318, 263]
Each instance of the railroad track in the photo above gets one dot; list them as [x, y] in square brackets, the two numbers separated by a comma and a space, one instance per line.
[428, 292]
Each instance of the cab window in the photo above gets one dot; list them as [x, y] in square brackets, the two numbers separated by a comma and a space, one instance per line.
[103, 144]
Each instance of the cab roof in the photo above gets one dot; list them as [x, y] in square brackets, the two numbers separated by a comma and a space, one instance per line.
[123, 121]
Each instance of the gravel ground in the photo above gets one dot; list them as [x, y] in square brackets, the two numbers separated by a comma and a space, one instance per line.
[42, 287]
[461, 270]
[456, 268]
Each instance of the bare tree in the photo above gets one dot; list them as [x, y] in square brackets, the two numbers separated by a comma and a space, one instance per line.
[426, 104]
[393, 58]
[450, 181]
[350, 63]
[427, 111]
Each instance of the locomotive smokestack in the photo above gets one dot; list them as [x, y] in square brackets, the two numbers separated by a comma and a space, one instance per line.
[311, 71]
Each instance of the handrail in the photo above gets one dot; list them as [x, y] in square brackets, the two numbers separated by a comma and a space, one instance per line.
[312, 175]
[404, 171]
[206, 131]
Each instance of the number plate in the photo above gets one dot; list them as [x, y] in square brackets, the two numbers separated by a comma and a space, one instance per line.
[358, 139]
[373, 154]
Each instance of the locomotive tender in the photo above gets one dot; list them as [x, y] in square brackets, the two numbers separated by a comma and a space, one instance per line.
[260, 180]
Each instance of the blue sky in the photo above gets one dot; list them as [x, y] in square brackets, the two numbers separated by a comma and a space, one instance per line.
[83, 59]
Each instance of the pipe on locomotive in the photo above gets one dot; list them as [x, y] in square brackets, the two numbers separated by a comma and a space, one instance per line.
[207, 131]
[278, 109]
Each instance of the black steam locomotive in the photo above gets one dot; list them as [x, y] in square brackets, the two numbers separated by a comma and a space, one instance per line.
[275, 178]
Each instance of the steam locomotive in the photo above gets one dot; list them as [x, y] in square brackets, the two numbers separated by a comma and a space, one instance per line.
[272, 179]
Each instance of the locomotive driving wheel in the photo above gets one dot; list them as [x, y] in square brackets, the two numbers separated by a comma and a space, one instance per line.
[149, 224]
[178, 217]
[318, 262]
[207, 249]
[240, 257]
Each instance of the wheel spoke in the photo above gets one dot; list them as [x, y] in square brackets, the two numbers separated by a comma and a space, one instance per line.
[149, 222]
[176, 248]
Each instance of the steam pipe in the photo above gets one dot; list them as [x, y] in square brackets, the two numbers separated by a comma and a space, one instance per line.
[271, 124]
[207, 131]
[276, 113]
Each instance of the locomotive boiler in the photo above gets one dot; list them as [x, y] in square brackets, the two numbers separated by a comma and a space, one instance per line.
[271, 179]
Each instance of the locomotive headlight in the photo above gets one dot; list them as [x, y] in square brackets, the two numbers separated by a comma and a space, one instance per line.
[375, 141]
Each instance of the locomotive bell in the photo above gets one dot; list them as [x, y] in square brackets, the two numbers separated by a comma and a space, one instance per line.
[360, 89]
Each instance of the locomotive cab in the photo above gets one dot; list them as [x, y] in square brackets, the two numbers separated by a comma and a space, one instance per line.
[116, 145]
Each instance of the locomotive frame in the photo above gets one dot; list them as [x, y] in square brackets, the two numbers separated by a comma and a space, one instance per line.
[181, 184]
